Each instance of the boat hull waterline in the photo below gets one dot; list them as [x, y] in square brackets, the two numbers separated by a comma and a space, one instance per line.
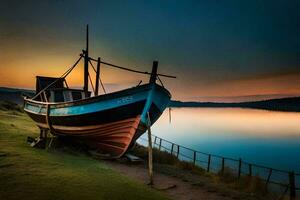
[110, 122]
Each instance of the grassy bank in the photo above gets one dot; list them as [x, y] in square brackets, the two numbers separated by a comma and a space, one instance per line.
[28, 173]
[226, 183]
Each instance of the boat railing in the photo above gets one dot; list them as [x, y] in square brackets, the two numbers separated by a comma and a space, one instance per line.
[278, 181]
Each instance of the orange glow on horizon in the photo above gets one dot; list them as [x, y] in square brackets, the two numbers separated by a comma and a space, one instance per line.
[34, 60]
[24, 77]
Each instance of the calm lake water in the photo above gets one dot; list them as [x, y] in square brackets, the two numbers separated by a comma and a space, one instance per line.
[262, 137]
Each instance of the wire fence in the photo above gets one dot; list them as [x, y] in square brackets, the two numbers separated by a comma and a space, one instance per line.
[282, 181]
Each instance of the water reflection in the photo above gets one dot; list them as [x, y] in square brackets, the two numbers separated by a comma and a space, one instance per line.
[263, 137]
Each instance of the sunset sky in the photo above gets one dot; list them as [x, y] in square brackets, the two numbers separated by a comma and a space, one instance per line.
[217, 49]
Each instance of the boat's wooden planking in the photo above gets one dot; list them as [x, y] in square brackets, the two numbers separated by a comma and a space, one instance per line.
[113, 138]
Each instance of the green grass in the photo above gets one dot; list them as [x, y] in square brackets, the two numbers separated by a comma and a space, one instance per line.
[10, 106]
[253, 184]
[29, 173]
[163, 157]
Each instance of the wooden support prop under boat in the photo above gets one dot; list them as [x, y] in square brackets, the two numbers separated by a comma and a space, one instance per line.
[150, 158]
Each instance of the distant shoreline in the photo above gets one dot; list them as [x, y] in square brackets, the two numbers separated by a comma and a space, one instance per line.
[289, 104]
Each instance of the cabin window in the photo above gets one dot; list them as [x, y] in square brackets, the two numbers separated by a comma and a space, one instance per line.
[58, 96]
[67, 96]
[76, 95]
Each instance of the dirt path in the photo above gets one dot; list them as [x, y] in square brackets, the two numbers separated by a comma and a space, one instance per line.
[176, 188]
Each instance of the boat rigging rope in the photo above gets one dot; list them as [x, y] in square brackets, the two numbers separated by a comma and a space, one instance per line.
[160, 81]
[102, 85]
[131, 70]
[61, 77]
[105, 63]
[91, 82]
[48, 122]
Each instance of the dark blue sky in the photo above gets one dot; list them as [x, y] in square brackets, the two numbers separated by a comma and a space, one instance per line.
[203, 42]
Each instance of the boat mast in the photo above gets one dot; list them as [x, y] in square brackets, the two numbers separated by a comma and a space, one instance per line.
[154, 72]
[86, 64]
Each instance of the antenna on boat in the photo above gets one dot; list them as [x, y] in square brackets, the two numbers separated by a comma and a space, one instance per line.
[86, 64]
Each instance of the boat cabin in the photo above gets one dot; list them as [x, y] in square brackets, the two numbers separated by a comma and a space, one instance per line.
[65, 95]
[58, 91]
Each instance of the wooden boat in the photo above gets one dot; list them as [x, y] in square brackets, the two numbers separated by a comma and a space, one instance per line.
[109, 122]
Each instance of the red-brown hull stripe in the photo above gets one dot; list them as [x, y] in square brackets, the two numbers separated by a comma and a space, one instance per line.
[113, 138]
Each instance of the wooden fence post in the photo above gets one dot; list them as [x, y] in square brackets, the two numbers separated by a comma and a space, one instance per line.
[223, 166]
[269, 176]
[195, 157]
[208, 163]
[159, 143]
[250, 169]
[240, 168]
[292, 185]
[172, 148]
[154, 141]
[177, 151]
